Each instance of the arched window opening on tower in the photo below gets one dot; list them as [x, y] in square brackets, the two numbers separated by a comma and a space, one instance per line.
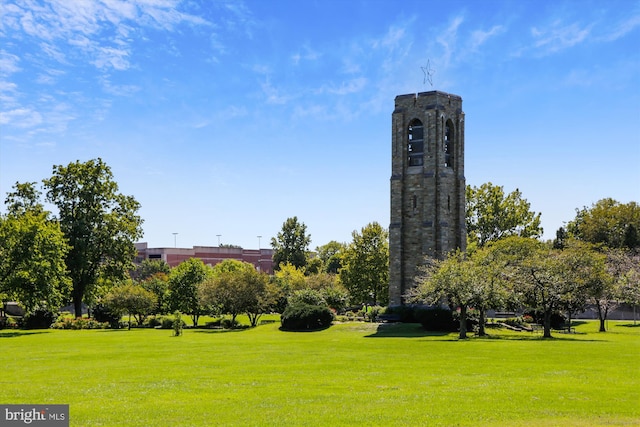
[415, 145]
[448, 145]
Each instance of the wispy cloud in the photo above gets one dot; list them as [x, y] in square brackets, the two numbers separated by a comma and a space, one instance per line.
[307, 54]
[8, 63]
[21, 118]
[623, 28]
[479, 37]
[559, 36]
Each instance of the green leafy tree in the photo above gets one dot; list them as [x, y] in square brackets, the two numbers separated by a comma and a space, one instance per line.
[184, 281]
[291, 244]
[330, 288]
[150, 267]
[365, 269]
[605, 293]
[158, 284]
[492, 215]
[454, 281]
[584, 270]
[491, 289]
[32, 252]
[132, 299]
[548, 279]
[331, 256]
[629, 287]
[608, 222]
[99, 223]
[237, 287]
[287, 280]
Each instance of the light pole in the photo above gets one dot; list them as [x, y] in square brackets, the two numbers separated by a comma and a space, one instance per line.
[175, 241]
[218, 236]
[259, 237]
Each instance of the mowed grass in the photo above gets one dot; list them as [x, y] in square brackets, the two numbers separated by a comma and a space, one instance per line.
[349, 374]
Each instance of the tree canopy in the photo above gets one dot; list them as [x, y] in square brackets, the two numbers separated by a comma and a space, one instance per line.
[608, 222]
[184, 281]
[99, 223]
[365, 265]
[291, 244]
[492, 215]
[32, 253]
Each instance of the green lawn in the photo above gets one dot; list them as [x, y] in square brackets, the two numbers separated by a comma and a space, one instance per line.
[349, 374]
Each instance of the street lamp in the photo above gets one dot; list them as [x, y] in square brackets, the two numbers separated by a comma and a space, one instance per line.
[259, 237]
[218, 236]
[175, 244]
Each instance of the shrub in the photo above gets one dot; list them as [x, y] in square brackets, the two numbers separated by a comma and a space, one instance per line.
[102, 313]
[436, 319]
[228, 323]
[152, 322]
[40, 318]
[307, 296]
[304, 317]
[406, 313]
[65, 322]
[178, 324]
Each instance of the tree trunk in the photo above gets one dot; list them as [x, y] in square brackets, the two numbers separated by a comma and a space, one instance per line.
[481, 331]
[569, 317]
[129, 328]
[77, 303]
[602, 316]
[463, 322]
[547, 324]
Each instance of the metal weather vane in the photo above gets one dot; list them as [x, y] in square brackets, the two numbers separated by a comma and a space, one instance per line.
[428, 73]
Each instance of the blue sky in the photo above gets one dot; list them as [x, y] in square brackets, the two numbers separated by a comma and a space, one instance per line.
[227, 117]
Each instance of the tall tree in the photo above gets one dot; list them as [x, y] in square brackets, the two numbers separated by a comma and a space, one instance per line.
[492, 215]
[99, 223]
[32, 251]
[184, 281]
[331, 256]
[291, 244]
[609, 222]
[365, 269]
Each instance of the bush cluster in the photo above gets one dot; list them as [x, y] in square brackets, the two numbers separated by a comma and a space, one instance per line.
[305, 317]
[40, 318]
[79, 323]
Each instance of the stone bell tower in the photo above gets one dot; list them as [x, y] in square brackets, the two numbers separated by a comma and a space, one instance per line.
[427, 185]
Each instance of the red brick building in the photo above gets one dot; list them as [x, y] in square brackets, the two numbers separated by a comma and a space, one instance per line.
[262, 259]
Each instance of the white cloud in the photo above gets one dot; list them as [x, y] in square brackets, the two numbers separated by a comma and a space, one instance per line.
[623, 28]
[479, 37]
[348, 87]
[21, 118]
[108, 57]
[448, 40]
[559, 36]
[8, 63]
[308, 54]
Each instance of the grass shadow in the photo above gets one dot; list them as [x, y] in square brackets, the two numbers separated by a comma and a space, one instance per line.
[404, 330]
[13, 334]
[324, 328]
[630, 325]
[217, 330]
